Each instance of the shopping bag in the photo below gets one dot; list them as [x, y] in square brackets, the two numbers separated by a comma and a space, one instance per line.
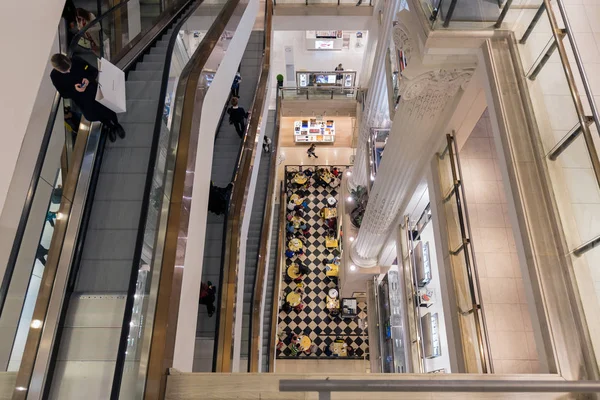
[111, 86]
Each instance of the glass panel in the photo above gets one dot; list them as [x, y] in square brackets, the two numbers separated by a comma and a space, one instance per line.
[142, 319]
[458, 14]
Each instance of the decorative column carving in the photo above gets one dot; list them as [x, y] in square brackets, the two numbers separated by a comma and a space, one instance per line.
[376, 112]
[409, 147]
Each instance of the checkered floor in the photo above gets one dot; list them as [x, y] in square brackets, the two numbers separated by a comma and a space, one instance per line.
[314, 320]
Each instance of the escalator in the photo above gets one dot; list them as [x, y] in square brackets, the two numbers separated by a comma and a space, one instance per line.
[226, 154]
[113, 238]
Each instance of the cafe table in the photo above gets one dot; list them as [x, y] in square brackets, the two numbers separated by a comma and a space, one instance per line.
[339, 349]
[296, 199]
[293, 271]
[297, 221]
[305, 343]
[332, 304]
[300, 178]
[326, 177]
[295, 244]
[332, 270]
[331, 242]
[329, 212]
[293, 298]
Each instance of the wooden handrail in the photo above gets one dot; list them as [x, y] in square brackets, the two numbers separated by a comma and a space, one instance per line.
[237, 211]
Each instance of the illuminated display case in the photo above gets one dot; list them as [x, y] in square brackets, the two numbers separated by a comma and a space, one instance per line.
[313, 130]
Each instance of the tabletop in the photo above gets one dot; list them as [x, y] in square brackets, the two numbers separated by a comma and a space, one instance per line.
[331, 200]
[332, 270]
[293, 298]
[293, 272]
[300, 178]
[330, 243]
[296, 199]
[329, 212]
[332, 304]
[305, 342]
[295, 244]
[339, 349]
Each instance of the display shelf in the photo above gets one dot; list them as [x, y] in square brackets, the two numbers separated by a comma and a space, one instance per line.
[313, 131]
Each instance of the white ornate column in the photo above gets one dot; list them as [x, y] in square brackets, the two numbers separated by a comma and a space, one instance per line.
[426, 96]
[376, 111]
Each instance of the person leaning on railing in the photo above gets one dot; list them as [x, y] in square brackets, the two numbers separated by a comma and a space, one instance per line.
[75, 79]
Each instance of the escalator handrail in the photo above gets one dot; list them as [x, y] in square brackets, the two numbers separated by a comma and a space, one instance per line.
[37, 170]
[96, 21]
[235, 215]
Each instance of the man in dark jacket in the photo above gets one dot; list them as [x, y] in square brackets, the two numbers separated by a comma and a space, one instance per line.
[237, 117]
[75, 79]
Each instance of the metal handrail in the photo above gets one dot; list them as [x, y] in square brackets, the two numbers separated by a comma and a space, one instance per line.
[237, 212]
[332, 90]
[325, 386]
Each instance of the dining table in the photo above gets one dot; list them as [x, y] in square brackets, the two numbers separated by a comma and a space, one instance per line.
[305, 343]
[339, 349]
[295, 244]
[300, 178]
[293, 298]
[329, 212]
[331, 242]
[296, 199]
[293, 271]
[332, 270]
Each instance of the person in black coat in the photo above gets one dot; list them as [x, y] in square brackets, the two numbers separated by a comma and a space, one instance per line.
[75, 79]
[237, 117]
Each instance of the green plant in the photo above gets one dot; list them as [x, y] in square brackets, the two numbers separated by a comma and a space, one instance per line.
[279, 78]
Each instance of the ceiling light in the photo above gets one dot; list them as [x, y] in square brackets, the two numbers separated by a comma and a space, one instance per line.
[36, 324]
[352, 267]
[351, 238]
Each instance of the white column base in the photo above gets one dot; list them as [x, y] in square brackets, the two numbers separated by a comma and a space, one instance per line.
[360, 261]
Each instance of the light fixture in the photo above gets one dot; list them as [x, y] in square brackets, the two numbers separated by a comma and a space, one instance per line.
[348, 173]
[372, 178]
[21, 388]
[352, 267]
[59, 215]
[351, 238]
[349, 199]
[36, 324]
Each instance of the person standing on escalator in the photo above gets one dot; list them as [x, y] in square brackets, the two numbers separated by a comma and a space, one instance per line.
[75, 79]
[237, 117]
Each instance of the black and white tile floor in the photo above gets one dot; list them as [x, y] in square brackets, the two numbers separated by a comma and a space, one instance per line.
[314, 320]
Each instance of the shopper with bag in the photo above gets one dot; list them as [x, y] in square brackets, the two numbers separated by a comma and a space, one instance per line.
[237, 117]
[75, 79]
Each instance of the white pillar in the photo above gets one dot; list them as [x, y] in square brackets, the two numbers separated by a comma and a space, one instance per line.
[376, 110]
[425, 94]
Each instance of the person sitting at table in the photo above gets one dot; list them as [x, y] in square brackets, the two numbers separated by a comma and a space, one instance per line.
[294, 349]
[299, 307]
[286, 307]
[306, 231]
[291, 227]
[289, 253]
[335, 172]
[295, 339]
[308, 172]
[350, 351]
[299, 289]
[328, 351]
[312, 349]
[291, 206]
[302, 268]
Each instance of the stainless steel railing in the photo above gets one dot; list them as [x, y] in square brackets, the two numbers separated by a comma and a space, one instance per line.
[466, 280]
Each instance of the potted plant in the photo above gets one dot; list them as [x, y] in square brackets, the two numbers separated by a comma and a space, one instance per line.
[360, 198]
[279, 80]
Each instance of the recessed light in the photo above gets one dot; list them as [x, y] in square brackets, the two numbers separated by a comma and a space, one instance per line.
[352, 267]
[36, 324]
[351, 238]
[349, 198]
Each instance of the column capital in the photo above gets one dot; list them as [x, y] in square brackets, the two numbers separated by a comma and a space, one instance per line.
[438, 82]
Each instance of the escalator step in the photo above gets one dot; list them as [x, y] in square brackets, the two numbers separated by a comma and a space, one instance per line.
[140, 111]
[154, 58]
[142, 90]
[149, 66]
[145, 76]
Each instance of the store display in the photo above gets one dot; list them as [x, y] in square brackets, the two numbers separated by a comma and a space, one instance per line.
[426, 297]
[307, 131]
[422, 264]
[431, 335]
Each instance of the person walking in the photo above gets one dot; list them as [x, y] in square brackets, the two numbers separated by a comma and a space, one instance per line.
[207, 297]
[311, 151]
[237, 117]
[75, 79]
[339, 77]
[235, 86]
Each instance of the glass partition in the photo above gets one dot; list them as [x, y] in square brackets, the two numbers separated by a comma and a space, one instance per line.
[318, 93]
[142, 316]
